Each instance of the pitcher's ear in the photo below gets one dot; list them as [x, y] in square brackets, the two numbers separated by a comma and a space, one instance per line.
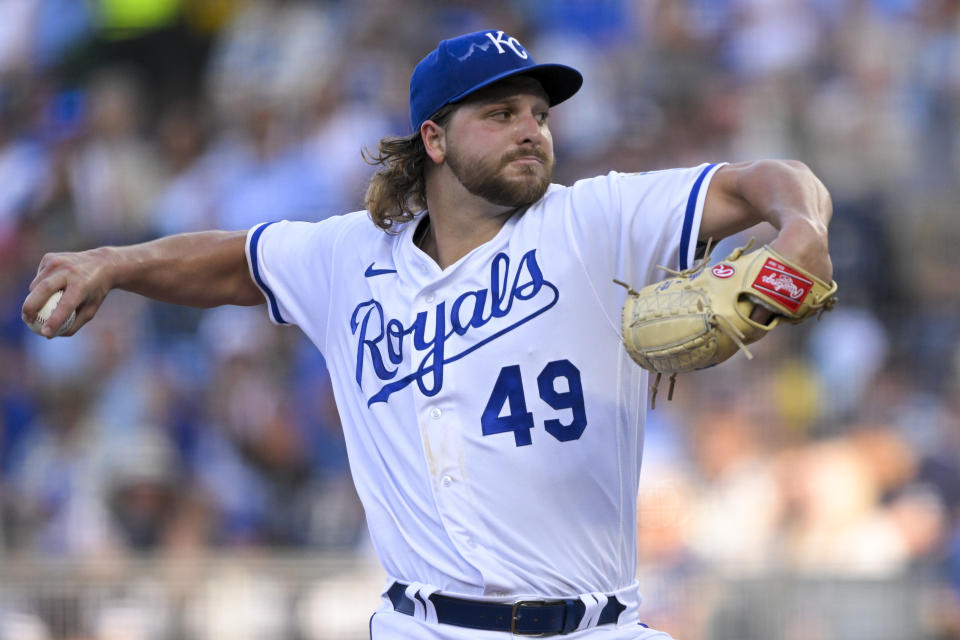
[434, 140]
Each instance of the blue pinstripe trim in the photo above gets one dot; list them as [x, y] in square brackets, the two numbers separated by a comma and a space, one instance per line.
[271, 299]
[688, 217]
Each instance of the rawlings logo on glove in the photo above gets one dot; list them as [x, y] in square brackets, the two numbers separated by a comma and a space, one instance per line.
[689, 322]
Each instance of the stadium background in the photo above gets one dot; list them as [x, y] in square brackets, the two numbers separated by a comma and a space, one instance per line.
[172, 473]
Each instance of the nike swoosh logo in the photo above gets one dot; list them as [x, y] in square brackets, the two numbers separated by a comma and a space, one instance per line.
[370, 272]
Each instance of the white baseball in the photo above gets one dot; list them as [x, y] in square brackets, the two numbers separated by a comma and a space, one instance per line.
[46, 311]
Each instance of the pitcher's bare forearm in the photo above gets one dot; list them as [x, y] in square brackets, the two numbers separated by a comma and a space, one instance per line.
[204, 269]
[784, 193]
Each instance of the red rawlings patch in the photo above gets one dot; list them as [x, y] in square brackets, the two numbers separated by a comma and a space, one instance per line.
[723, 270]
[782, 284]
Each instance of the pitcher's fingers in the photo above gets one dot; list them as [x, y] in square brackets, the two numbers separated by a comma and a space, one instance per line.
[761, 315]
[39, 294]
[47, 263]
[71, 301]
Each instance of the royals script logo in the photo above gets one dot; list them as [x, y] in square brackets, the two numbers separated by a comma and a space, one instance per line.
[517, 294]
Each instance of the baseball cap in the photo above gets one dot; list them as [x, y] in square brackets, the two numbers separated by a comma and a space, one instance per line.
[459, 66]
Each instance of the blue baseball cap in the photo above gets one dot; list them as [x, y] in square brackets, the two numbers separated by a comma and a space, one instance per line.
[459, 66]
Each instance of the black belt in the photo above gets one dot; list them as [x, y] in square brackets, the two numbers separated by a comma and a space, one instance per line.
[522, 618]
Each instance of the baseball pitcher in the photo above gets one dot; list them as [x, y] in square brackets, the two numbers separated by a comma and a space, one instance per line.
[484, 361]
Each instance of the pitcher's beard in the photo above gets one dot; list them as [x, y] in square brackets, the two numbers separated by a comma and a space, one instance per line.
[490, 184]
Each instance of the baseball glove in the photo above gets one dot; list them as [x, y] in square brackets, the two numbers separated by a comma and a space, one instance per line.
[700, 317]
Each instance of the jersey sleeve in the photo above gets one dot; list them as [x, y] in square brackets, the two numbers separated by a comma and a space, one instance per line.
[633, 222]
[291, 263]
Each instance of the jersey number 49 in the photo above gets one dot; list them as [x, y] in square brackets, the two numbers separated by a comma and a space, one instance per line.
[506, 409]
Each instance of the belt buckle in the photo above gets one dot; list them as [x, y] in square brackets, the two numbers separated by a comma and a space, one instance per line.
[513, 618]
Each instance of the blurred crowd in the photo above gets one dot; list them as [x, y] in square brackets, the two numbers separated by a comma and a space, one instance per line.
[160, 429]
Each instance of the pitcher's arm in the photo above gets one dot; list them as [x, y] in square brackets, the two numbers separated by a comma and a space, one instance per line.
[784, 193]
[204, 269]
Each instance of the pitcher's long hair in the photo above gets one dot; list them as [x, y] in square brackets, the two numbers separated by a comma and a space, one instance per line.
[398, 190]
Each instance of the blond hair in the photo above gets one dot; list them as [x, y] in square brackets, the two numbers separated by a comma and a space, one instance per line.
[398, 191]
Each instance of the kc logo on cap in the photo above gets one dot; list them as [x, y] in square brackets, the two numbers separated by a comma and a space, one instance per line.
[459, 66]
[511, 42]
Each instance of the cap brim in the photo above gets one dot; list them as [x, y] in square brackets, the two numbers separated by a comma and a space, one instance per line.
[559, 81]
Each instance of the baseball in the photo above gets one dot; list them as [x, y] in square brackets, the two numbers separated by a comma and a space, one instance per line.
[46, 311]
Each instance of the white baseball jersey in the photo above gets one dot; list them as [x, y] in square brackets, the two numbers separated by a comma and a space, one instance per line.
[493, 420]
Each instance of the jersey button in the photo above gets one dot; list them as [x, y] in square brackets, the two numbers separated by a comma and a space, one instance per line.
[446, 481]
[435, 413]
[430, 297]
